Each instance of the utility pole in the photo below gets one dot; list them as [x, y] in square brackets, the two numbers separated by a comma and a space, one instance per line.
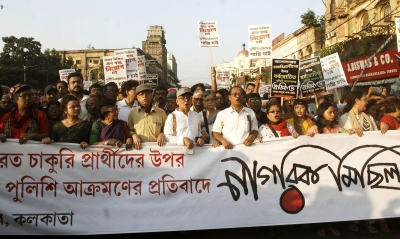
[27, 67]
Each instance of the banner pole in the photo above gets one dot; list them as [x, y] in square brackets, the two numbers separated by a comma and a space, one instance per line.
[316, 100]
[211, 58]
[338, 100]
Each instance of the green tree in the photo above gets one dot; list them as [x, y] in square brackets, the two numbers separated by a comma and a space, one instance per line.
[310, 19]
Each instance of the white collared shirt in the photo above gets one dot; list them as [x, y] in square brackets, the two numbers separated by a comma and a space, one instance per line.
[234, 126]
[84, 115]
[186, 126]
[124, 109]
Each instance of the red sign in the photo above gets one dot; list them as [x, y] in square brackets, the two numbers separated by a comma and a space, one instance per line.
[383, 65]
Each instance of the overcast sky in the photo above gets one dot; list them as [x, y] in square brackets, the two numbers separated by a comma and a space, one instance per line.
[73, 25]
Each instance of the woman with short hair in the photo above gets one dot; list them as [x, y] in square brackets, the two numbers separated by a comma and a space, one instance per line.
[276, 126]
[300, 120]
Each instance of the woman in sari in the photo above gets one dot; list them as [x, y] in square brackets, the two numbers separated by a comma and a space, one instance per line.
[24, 122]
[109, 130]
[209, 116]
[300, 120]
[354, 120]
[72, 129]
[276, 126]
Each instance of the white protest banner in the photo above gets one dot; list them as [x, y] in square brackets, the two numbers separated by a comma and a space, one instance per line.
[114, 69]
[397, 21]
[208, 34]
[142, 68]
[63, 189]
[260, 42]
[64, 74]
[86, 85]
[223, 81]
[131, 62]
[332, 69]
[264, 89]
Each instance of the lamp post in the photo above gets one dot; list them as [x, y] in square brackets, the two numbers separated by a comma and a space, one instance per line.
[27, 67]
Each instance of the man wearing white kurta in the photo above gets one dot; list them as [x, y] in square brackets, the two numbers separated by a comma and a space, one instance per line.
[183, 126]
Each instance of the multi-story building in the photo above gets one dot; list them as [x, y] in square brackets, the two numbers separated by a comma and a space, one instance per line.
[171, 62]
[88, 60]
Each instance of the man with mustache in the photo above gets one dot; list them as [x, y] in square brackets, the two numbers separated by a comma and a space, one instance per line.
[183, 126]
[236, 124]
[146, 121]
[197, 102]
[160, 97]
[75, 87]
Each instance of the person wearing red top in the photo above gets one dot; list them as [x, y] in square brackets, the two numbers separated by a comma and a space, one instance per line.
[24, 122]
[392, 114]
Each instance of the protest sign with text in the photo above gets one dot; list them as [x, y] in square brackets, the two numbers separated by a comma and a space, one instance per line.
[311, 77]
[151, 80]
[64, 74]
[332, 69]
[397, 21]
[114, 69]
[63, 189]
[208, 34]
[223, 79]
[131, 60]
[285, 77]
[260, 41]
[264, 90]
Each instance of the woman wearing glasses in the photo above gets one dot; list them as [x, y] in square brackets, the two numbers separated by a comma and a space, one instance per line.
[72, 129]
[275, 127]
[109, 130]
[24, 122]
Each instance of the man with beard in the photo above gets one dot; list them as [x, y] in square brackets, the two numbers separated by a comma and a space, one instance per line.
[160, 97]
[197, 102]
[75, 87]
[183, 126]
[62, 88]
[236, 124]
[93, 107]
[254, 102]
[146, 122]
[111, 90]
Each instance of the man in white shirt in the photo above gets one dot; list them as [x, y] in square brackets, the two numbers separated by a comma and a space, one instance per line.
[128, 91]
[183, 126]
[75, 87]
[236, 124]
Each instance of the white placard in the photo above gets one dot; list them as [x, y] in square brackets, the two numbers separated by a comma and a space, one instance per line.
[61, 189]
[131, 59]
[208, 34]
[87, 84]
[64, 74]
[115, 69]
[223, 79]
[264, 89]
[397, 21]
[332, 69]
[260, 41]
[142, 68]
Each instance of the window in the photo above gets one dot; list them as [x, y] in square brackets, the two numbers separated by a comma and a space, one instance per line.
[333, 8]
[90, 61]
[365, 24]
[385, 12]
[78, 62]
[95, 61]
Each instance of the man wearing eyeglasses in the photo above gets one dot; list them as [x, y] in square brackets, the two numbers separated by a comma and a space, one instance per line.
[111, 90]
[236, 124]
[183, 126]
[146, 121]
[254, 102]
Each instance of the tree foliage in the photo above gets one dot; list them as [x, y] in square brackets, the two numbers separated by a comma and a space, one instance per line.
[26, 52]
[310, 19]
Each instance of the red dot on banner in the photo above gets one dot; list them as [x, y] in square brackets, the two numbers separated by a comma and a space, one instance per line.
[292, 200]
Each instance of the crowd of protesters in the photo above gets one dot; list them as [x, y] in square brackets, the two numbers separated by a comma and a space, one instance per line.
[134, 114]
